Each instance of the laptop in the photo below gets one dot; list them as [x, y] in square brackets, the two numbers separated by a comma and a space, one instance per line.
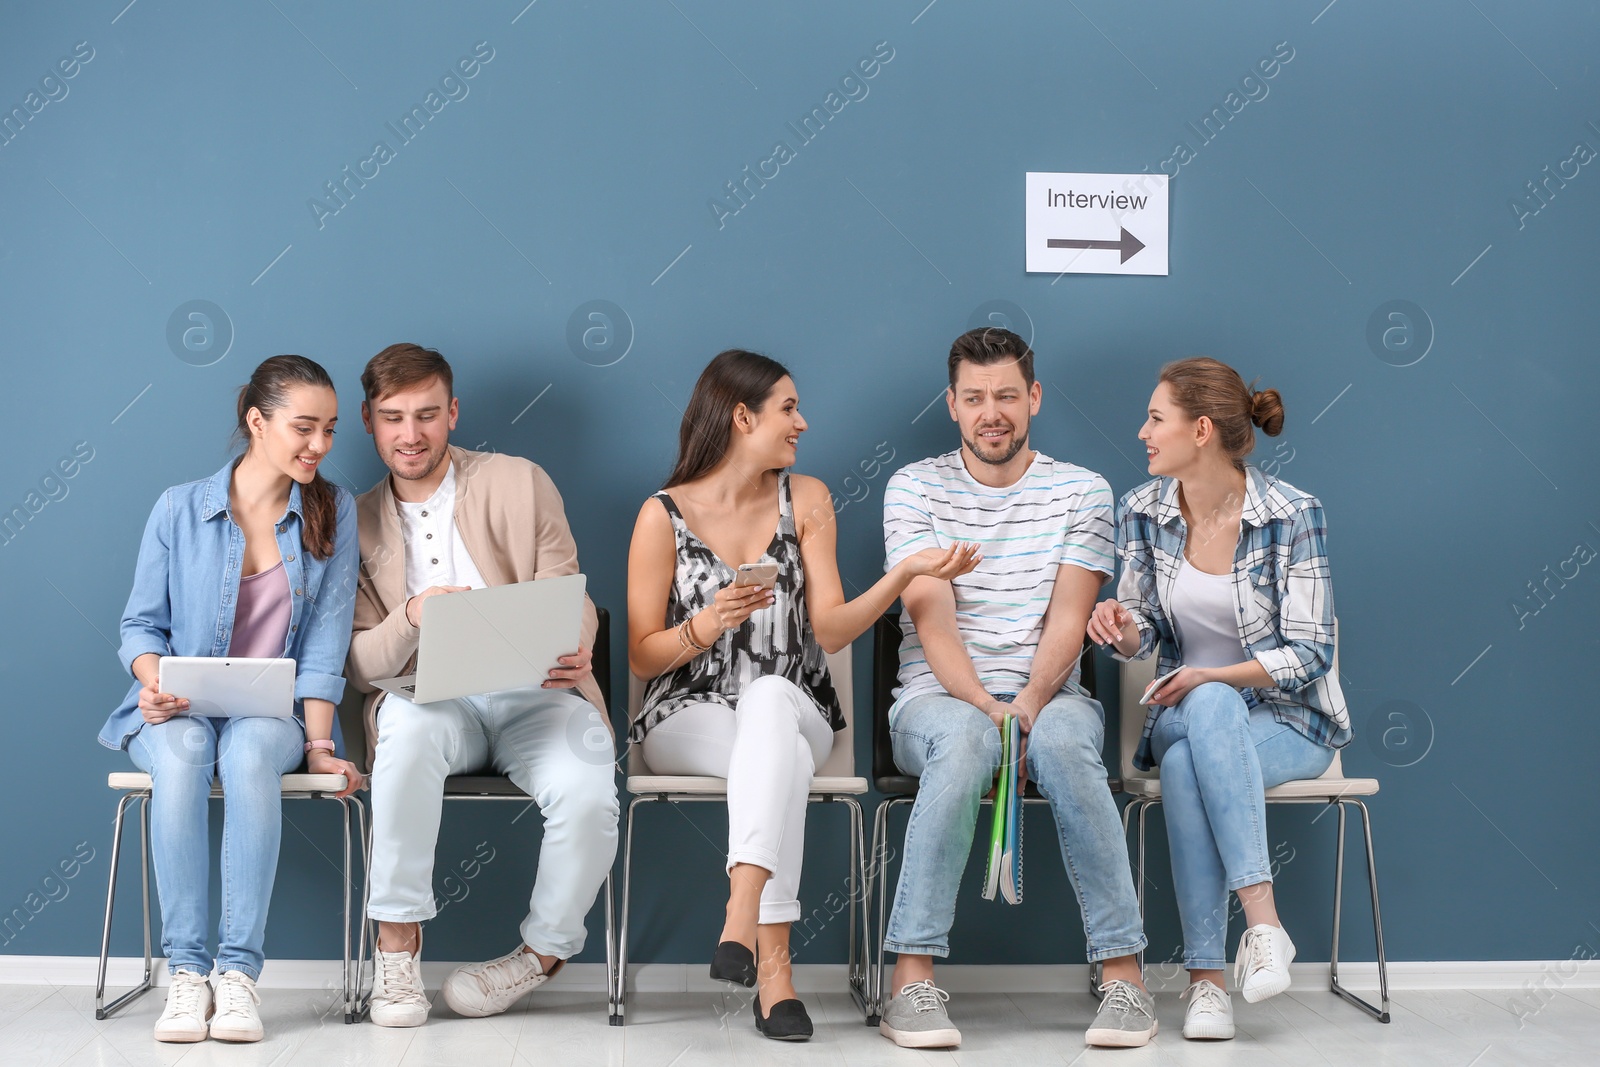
[488, 640]
[229, 686]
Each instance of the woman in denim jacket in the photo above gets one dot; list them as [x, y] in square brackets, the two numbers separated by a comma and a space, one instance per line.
[259, 560]
[1225, 570]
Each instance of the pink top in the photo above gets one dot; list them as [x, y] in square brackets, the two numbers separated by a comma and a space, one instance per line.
[261, 623]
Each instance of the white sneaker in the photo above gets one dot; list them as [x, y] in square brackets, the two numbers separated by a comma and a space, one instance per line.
[398, 998]
[1210, 1016]
[1261, 969]
[480, 989]
[236, 1017]
[188, 1007]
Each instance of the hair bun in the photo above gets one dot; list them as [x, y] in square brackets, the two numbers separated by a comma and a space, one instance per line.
[1266, 411]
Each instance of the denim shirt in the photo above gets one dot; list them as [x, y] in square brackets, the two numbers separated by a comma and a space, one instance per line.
[1282, 598]
[186, 590]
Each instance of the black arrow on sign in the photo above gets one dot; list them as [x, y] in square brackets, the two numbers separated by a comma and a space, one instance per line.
[1128, 246]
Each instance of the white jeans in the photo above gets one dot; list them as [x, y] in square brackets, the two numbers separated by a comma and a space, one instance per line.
[544, 741]
[768, 749]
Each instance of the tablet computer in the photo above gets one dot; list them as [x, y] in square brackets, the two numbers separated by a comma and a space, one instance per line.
[229, 686]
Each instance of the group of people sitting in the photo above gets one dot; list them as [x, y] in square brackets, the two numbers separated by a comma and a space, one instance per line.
[997, 551]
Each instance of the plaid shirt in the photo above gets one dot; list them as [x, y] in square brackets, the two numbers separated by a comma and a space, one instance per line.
[1282, 598]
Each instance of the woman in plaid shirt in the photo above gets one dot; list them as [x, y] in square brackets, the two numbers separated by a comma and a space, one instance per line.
[1225, 571]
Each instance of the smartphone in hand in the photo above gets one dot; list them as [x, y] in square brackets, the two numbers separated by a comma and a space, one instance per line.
[1157, 684]
[763, 574]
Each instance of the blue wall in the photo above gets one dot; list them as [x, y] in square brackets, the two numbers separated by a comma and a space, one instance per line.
[579, 163]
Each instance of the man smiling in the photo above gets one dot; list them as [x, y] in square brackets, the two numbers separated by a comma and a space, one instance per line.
[444, 520]
[1004, 639]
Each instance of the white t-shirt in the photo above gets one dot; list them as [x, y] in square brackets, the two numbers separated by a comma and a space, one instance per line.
[434, 552]
[1202, 613]
[1055, 513]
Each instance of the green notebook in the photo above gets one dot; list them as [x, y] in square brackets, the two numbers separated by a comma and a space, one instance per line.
[1004, 869]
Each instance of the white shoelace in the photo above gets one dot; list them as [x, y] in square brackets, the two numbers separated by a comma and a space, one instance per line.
[402, 979]
[1121, 996]
[1206, 996]
[924, 995]
[1254, 955]
[235, 995]
[183, 996]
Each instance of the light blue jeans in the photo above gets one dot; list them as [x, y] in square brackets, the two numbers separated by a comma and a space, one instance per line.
[552, 744]
[954, 749]
[1218, 756]
[183, 756]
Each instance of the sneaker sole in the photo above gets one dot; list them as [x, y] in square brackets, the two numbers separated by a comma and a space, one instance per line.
[239, 1036]
[1209, 1032]
[1254, 994]
[949, 1037]
[1120, 1038]
[186, 1038]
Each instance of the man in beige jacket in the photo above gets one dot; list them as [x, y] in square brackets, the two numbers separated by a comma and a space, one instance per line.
[446, 519]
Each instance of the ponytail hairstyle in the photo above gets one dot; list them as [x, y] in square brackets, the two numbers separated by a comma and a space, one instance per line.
[267, 391]
[1205, 386]
[731, 378]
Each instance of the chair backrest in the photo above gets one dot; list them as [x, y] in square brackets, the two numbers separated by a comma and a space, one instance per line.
[602, 655]
[1136, 676]
[886, 637]
[841, 761]
[351, 712]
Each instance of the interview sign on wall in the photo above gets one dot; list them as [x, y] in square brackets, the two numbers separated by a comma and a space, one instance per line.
[1096, 223]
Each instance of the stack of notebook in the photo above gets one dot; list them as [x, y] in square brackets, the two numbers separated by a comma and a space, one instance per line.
[1004, 870]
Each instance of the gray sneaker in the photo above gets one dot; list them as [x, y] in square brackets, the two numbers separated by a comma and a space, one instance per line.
[1127, 1017]
[915, 1018]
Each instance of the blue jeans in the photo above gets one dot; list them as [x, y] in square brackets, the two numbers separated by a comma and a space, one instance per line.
[182, 756]
[1218, 756]
[954, 749]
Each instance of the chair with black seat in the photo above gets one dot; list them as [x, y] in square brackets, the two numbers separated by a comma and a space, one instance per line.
[499, 787]
[901, 788]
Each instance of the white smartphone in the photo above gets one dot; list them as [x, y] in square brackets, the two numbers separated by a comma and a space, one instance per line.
[1157, 684]
[763, 574]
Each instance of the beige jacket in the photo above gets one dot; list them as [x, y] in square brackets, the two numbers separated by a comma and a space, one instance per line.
[511, 521]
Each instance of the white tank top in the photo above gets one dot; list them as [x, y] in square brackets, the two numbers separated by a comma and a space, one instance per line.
[1202, 613]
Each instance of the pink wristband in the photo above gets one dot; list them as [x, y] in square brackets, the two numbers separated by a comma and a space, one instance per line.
[325, 743]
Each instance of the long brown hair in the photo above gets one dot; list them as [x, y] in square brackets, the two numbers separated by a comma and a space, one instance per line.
[1205, 386]
[731, 378]
[267, 391]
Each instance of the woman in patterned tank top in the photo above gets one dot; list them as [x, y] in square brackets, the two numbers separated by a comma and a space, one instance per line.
[738, 679]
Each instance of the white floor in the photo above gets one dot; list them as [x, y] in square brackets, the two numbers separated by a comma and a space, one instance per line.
[42, 1026]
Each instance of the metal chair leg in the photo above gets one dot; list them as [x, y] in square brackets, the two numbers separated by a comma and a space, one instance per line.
[1380, 1014]
[860, 889]
[611, 949]
[880, 889]
[620, 1005]
[1144, 811]
[101, 1009]
[361, 993]
[880, 883]
[348, 991]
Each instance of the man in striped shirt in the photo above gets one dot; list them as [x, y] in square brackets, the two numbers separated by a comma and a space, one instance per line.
[1004, 639]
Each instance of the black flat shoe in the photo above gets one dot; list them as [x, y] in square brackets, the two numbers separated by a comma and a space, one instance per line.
[787, 1021]
[732, 962]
